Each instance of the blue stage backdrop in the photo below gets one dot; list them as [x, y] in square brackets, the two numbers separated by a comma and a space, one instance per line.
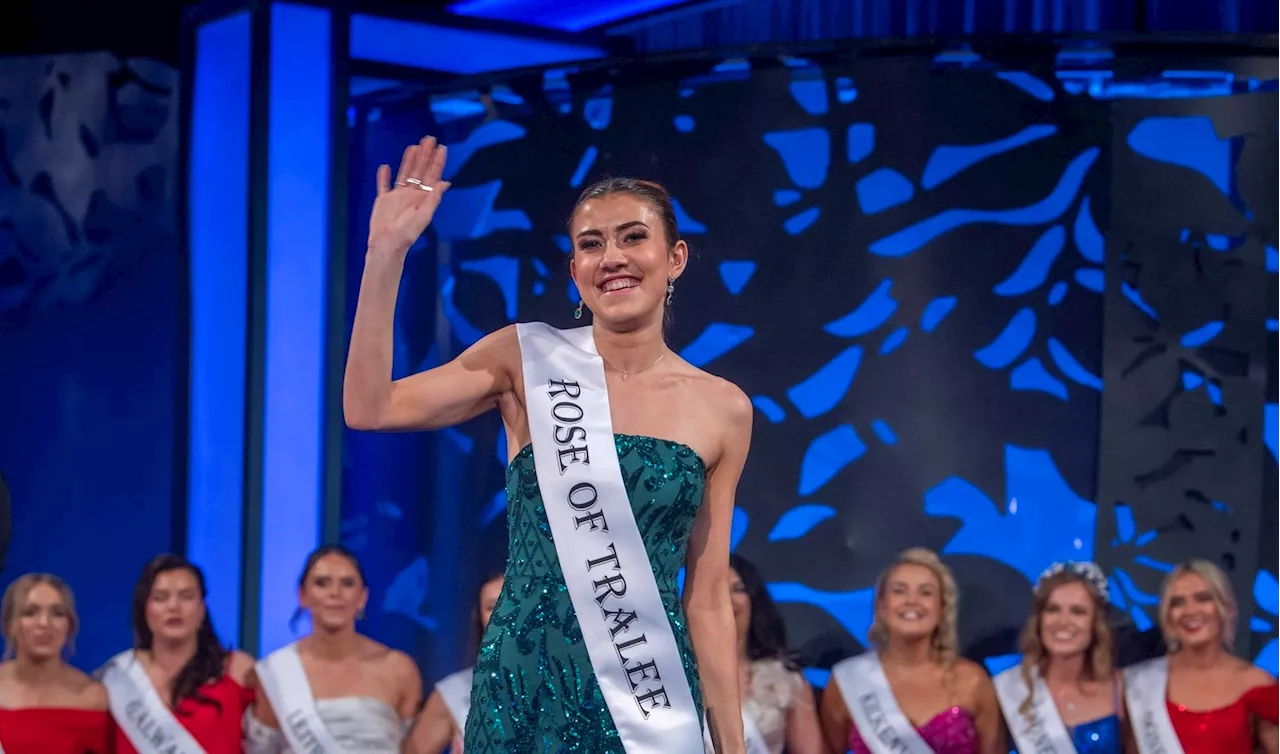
[90, 290]
[908, 263]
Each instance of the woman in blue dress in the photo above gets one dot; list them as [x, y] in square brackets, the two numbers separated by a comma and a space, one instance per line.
[1066, 694]
[624, 461]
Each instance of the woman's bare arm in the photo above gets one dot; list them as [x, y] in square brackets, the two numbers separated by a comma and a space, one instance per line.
[834, 715]
[434, 730]
[706, 590]
[804, 732]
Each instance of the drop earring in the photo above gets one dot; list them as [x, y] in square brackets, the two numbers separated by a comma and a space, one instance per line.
[577, 313]
[671, 289]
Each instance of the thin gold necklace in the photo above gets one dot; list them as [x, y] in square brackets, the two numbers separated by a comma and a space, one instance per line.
[625, 374]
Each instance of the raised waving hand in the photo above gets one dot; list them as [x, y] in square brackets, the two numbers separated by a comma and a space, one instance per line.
[404, 209]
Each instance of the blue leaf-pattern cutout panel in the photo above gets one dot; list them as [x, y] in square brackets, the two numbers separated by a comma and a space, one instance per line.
[686, 224]
[769, 407]
[948, 161]
[736, 274]
[874, 311]
[853, 610]
[1031, 375]
[584, 165]
[1034, 268]
[1000, 663]
[798, 521]
[1073, 369]
[882, 189]
[1088, 238]
[1271, 429]
[806, 154]
[1028, 83]
[1266, 595]
[936, 311]
[463, 330]
[826, 455]
[738, 528]
[860, 141]
[825, 388]
[472, 214]
[715, 341]
[910, 239]
[1012, 341]
[407, 593]
[505, 272]
[1202, 335]
[1045, 520]
[486, 135]
[796, 224]
[1170, 140]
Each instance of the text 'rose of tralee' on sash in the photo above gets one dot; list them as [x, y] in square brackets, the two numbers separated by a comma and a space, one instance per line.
[606, 567]
[142, 715]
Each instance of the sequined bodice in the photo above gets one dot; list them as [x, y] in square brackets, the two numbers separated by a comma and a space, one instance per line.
[1226, 730]
[534, 688]
[1101, 736]
[951, 731]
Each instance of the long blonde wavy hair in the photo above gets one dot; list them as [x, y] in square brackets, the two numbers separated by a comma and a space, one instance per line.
[1099, 653]
[944, 642]
[1224, 597]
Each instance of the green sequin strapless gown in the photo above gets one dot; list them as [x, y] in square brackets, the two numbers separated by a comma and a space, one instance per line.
[534, 689]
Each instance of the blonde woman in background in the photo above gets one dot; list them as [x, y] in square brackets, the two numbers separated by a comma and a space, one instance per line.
[46, 706]
[913, 694]
[1200, 698]
[1066, 695]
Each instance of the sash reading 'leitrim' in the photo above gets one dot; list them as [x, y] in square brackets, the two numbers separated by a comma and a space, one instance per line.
[606, 567]
[1041, 731]
[1146, 688]
[875, 712]
[455, 690]
[285, 682]
[143, 717]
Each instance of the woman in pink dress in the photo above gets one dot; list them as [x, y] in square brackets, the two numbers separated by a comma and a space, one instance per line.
[913, 693]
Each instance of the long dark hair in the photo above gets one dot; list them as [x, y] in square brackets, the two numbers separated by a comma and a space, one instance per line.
[767, 634]
[477, 624]
[312, 559]
[210, 660]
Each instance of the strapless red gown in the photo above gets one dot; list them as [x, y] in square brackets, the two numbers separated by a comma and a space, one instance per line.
[216, 730]
[55, 730]
[1226, 730]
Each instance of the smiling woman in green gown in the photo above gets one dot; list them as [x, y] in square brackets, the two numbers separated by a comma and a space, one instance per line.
[624, 464]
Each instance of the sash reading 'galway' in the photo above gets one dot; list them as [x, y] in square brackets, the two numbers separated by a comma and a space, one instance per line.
[875, 712]
[606, 567]
[1042, 730]
[455, 690]
[285, 682]
[1146, 689]
[143, 717]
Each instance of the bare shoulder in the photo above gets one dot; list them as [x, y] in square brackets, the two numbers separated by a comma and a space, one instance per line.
[391, 663]
[1251, 676]
[240, 667]
[970, 676]
[87, 693]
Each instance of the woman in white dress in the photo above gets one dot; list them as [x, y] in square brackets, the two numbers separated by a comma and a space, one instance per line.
[778, 709]
[334, 689]
[444, 716]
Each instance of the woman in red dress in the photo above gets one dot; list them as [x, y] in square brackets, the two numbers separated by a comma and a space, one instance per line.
[46, 706]
[203, 686]
[1215, 702]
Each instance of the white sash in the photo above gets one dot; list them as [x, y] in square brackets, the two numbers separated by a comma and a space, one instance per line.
[875, 712]
[285, 682]
[1146, 689]
[455, 690]
[142, 715]
[606, 567]
[1041, 731]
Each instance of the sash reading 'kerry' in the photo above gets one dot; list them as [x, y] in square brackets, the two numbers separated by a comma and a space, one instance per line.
[1042, 730]
[285, 682]
[1146, 689]
[606, 567]
[875, 712]
[142, 715]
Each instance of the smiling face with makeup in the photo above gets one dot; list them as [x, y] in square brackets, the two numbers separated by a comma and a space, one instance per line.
[1193, 618]
[625, 252]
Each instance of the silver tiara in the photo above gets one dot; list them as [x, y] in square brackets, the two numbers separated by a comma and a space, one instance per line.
[1088, 570]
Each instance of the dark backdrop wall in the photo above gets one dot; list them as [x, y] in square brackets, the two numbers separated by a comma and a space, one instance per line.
[923, 271]
[89, 325]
